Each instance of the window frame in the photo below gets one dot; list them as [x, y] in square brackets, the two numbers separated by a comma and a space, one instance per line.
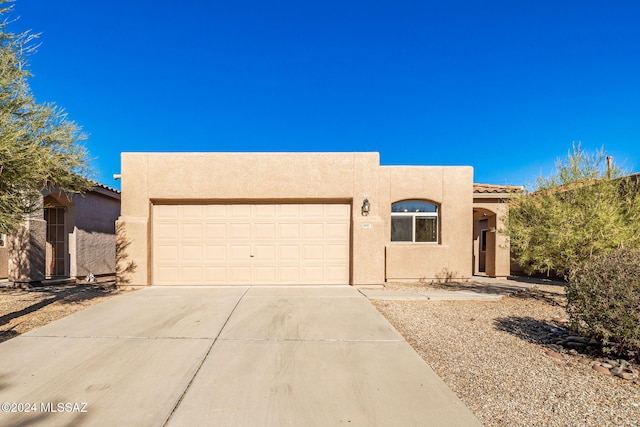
[414, 216]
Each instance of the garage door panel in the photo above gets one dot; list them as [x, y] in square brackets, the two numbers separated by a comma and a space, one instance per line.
[264, 231]
[167, 253]
[289, 252]
[265, 211]
[216, 253]
[335, 274]
[336, 211]
[168, 230]
[216, 211]
[312, 231]
[288, 274]
[216, 275]
[239, 211]
[264, 253]
[313, 253]
[169, 273]
[191, 211]
[240, 275]
[312, 274]
[336, 252]
[240, 231]
[239, 253]
[245, 244]
[338, 231]
[311, 211]
[264, 274]
[191, 232]
[289, 231]
[289, 211]
[191, 274]
[192, 253]
[165, 211]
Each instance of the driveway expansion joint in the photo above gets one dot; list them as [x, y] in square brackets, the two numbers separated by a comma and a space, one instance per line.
[195, 374]
[311, 340]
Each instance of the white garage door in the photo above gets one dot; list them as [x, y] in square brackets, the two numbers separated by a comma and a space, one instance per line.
[251, 244]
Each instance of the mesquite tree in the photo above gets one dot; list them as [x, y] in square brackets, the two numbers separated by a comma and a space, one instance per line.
[39, 146]
[585, 208]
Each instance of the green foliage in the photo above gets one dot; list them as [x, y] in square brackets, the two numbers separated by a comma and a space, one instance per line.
[581, 211]
[603, 301]
[39, 146]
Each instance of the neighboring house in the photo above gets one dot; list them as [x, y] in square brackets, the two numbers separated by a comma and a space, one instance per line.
[70, 237]
[304, 218]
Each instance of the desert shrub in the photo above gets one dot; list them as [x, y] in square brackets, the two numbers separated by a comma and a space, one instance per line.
[603, 301]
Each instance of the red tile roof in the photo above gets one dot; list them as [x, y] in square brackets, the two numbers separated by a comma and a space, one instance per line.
[104, 187]
[495, 189]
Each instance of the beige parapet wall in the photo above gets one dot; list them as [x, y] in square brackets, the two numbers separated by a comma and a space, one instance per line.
[227, 178]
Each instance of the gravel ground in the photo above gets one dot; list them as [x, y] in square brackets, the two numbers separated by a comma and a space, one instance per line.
[492, 355]
[23, 309]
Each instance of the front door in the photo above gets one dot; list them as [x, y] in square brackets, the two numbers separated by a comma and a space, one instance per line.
[56, 242]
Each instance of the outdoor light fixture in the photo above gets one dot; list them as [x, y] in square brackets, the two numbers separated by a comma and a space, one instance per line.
[365, 207]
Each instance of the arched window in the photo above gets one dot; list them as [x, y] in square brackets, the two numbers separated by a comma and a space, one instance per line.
[414, 221]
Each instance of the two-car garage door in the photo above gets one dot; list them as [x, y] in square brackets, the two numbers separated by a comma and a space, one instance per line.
[205, 244]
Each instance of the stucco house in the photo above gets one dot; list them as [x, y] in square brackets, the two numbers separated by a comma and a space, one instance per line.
[71, 236]
[304, 218]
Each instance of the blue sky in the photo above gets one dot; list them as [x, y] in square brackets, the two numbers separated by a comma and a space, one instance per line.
[503, 86]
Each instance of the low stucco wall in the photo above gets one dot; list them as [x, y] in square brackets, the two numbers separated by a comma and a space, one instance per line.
[94, 236]
[27, 250]
[4, 262]
[149, 178]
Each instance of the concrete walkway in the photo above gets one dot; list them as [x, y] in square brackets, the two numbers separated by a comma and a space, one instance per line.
[223, 356]
[478, 289]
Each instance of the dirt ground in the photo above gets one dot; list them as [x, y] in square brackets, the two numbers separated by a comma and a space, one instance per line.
[25, 308]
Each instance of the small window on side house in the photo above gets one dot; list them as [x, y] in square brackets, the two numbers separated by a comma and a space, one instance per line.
[3, 240]
[414, 221]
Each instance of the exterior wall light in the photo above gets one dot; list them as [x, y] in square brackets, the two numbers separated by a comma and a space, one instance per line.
[365, 207]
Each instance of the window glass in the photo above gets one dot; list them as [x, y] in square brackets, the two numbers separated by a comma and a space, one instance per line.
[413, 206]
[401, 229]
[414, 221]
[483, 240]
[426, 229]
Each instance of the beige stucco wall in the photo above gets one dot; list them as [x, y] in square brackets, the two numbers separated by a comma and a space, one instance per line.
[450, 188]
[4, 260]
[89, 237]
[27, 250]
[93, 239]
[149, 178]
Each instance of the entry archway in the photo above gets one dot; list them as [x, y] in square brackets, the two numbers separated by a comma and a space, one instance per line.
[491, 252]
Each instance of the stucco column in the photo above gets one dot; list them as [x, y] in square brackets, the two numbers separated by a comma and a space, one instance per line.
[502, 248]
[368, 252]
[132, 228]
[498, 250]
[132, 252]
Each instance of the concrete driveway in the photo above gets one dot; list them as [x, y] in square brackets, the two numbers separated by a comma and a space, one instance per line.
[223, 356]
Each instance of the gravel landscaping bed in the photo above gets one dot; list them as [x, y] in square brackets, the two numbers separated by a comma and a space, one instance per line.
[514, 362]
[26, 308]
